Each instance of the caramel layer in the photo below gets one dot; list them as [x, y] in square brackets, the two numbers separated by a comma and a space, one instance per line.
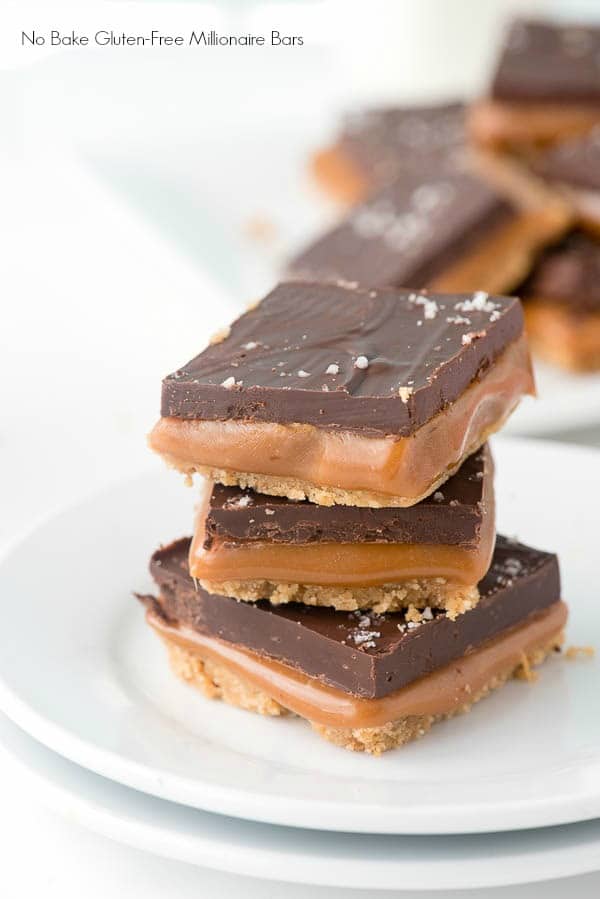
[395, 471]
[527, 125]
[340, 564]
[568, 339]
[439, 693]
[503, 259]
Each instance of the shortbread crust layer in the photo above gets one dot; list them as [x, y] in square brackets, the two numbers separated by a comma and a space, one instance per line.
[357, 724]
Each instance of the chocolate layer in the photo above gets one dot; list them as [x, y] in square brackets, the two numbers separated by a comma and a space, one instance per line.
[365, 655]
[544, 61]
[407, 233]
[568, 275]
[575, 163]
[452, 516]
[374, 361]
[383, 143]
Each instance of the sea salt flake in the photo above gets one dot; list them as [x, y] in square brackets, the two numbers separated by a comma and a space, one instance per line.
[471, 336]
[303, 374]
[361, 362]
[480, 302]
[438, 496]
[332, 369]
[405, 393]
[228, 383]
[365, 638]
[430, 307]
[513, 566]
[458, 320]
[239, 502]
[251, 345]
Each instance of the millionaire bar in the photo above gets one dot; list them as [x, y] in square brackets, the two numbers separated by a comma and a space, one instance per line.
[253, 546]
[562, 304]
[454, 230]
[574, 168]
[366, 682]
[346, 395]
[375, 146]
[546, 87]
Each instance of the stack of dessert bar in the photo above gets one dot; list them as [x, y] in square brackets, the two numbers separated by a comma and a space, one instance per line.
[344, 566]
[544, 107]
[491, 177]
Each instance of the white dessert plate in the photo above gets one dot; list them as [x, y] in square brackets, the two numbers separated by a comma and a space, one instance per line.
[373, 862]
[80, 671]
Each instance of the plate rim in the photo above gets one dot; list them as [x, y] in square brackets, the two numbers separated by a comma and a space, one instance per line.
[144, 831]
[517, 814]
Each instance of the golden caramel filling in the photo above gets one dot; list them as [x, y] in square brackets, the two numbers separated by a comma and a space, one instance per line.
[561, 336]
[498, 123]
[439, 693]
[340, 564]
[404, 467]
[502, 259]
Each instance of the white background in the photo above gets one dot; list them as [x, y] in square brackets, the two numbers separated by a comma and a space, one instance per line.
[121, 253]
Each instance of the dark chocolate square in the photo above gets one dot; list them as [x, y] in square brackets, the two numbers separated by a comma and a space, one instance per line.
[407, 233]
[575, 163]
[549, 62]
[363, 654]
[384, 142]
[568, 275]
[453, 515]
[374, 361]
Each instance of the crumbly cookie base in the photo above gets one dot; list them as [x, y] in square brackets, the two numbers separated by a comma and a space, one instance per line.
[418, 593]
[217, 681]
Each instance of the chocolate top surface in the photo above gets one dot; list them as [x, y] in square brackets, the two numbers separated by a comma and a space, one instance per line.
[568, 275]
[545, 61]
[575, 163]
[407, 233]
[452, 516]
[337, 357]
[364, 654]
[384, 142]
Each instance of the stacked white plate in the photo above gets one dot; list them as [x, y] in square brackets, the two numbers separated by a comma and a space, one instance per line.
[507, 794]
